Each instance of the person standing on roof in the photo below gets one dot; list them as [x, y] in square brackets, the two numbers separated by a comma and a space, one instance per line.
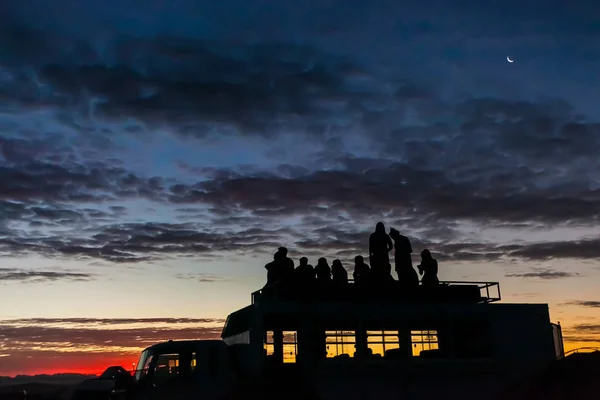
[380, 245]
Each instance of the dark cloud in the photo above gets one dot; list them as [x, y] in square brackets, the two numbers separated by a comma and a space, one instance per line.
[318, 234]
[584, 303]
[135, 242]
[584, 333]
[363, 186]
[581, 339]
[544, 273]
[527, 295]
[581, 249]
[24, 337]
[427, 159]
[36, 181]
[34, 276]
[585, 329]
[206, 87]
[477, 158]
[355, 190]
[201, 277]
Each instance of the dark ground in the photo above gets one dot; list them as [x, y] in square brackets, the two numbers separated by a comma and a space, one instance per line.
[36, 391]
[576, 377]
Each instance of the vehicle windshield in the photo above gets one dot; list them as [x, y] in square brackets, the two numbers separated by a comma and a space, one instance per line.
[143, 364]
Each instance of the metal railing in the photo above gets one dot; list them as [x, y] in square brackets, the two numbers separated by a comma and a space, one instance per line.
[489, 291]
[582, 350]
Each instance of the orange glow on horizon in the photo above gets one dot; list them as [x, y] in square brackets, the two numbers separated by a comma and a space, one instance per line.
[31, 361]
[93, 364]
[576, 345]
[96, 363]
[88, 346]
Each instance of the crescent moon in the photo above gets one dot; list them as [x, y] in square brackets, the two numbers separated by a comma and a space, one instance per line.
[509, 60]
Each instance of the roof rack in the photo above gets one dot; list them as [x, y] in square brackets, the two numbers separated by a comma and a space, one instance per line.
[445, 292]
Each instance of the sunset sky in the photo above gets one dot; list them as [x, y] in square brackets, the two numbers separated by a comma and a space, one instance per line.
[154, 154]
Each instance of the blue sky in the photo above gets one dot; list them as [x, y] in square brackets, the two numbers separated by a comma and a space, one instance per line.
[153, 154]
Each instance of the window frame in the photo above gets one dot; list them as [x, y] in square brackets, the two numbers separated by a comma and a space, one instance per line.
[414, 344]
[285, 344]
[269, 345]
[344, 333]
[170, 375]
[383, 334]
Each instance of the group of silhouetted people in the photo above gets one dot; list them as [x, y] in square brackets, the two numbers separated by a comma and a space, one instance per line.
[281, 269]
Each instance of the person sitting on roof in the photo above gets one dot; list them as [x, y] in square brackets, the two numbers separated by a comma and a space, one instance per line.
[380, 245]
[304, 272]
[274, 270]
[428, 269]
[323, 271]
[361, 271]
[340, 275]
[287, 264]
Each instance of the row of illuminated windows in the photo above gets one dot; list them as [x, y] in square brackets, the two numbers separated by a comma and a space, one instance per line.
[343, 343]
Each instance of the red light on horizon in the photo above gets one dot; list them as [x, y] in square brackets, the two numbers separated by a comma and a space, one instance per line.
[95, 366]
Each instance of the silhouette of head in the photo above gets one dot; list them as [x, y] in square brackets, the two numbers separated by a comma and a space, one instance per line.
[359, 260]
[380, 228]
[277, 256]
[303, 261]
[426, 255]
[322, 261]
[394, 233]
[337, 263]
[283, 251]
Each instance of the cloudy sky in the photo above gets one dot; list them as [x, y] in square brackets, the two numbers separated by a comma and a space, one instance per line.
[154, 153]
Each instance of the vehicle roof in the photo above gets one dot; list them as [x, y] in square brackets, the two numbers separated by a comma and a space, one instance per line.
[178, 345]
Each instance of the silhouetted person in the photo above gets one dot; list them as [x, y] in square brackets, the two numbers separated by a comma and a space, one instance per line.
[287, 265]
[274, 270]
[387, 271]
[339, 273]
[407, 276]
[362, 271]
[379, 246]
[428, 269]
[304, 272]
[323, 271]
[382, 275]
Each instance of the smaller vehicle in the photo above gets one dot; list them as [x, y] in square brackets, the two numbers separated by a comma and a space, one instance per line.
[114, 383]
[184, 369]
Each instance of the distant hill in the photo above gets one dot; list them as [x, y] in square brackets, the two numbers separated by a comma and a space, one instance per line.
[57, 379]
